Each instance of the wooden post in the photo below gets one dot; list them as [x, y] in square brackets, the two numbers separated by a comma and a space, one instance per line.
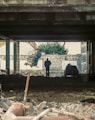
[26, 87]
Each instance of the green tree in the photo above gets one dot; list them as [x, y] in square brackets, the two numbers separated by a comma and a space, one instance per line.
[53, 48]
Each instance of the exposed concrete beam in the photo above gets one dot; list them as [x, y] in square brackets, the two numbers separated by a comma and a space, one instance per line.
[47, 18]
[53, 37]
[2, 37]
[48, 8]
[36, 22]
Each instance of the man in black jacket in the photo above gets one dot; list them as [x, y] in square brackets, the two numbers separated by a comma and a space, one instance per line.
[47, 64]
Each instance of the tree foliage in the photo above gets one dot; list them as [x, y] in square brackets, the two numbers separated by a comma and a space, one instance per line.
[53, 48]
[33, 59]
[36, 58]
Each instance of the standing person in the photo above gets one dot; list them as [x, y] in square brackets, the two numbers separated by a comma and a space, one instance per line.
[47, 64]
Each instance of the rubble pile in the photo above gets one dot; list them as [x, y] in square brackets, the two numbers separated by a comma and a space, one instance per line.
[46, 110]
[48, 105]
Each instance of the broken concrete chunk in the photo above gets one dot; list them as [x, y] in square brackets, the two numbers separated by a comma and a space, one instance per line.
[17, 109]
[41, 106]
[4, 103]
[8, 116]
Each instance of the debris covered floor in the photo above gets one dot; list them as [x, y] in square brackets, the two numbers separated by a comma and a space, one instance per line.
[56, 104]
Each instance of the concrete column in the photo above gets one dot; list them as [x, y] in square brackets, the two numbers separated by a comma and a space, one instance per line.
[89, 57]
[93, 57]
[8, 56]
[16, 57]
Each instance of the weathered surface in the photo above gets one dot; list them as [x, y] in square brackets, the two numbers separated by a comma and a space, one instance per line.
[58, 102]
[14, 13]
[47, 2]
[75, 1]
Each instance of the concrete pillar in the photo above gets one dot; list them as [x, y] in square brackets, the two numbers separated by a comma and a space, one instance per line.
[16, 57]
[93, 57]
[89, 57]
[8, 56]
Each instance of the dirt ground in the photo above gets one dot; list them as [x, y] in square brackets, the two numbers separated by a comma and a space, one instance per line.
[79, 103]
[51, 95]
[79, 100]
[55, 96]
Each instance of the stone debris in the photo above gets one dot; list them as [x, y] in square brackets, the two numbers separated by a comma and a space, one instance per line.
[49, 111]
[36, 109]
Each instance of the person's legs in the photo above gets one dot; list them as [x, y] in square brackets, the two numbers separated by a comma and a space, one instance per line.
[46, 73]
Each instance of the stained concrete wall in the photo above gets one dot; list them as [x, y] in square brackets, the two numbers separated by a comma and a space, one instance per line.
[47, 1]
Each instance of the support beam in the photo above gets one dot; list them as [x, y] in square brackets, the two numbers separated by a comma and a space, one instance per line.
[2, 37]
[8, 56]
[14, 57]
[89, 57]
[93, 57]
[17, 57]
[48, 8]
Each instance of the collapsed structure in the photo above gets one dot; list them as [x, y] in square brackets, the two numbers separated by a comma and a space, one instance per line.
[46, 20]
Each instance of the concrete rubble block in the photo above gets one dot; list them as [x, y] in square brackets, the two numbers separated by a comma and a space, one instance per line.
[8, 116]
[17, 109]
[24, 118]
[75, 2]
[53, 114]
[41, 106]
[59, 118]
[16, 112]
[26, 104]
[5, 103]
[11, 116]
